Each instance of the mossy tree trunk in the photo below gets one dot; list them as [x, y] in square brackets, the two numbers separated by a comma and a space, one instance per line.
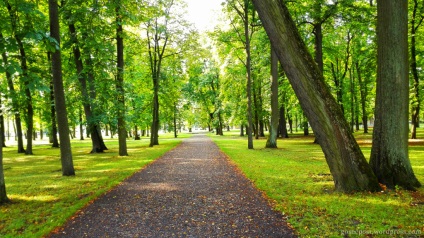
[347, 164]
[389, 153]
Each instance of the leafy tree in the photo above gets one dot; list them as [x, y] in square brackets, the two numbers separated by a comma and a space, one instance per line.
[163, 29]
[85, 78]
[389, 154]
[247, 18]
[122, 132]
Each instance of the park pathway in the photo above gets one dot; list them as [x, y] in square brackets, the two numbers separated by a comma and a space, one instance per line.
[191, 191]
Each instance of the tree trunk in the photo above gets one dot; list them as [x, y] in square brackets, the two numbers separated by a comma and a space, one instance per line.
[28, 97]
[364, 93]
[249, 75]
[154, 140]
[273, 132]
[54, 140]
[282, 127]
[3, 194]
[122, 131]
[81, 128]
[2, 129]
[175, 120]
[59, 95]
[389, 152]
[350, 170]
[255, 111]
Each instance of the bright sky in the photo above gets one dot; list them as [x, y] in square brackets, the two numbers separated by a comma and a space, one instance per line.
[204, 13]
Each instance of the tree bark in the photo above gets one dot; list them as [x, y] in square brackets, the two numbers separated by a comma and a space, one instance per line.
[273, 131]
[389, 153]
[347, 164]
[122, 131]
[59, 95]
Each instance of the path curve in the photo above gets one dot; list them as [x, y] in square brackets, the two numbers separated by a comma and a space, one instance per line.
[191, 191]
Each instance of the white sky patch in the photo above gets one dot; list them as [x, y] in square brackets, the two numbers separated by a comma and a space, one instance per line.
[203, 13]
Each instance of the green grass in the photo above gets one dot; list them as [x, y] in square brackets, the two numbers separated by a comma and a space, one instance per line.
[42, 199]
[297, 179]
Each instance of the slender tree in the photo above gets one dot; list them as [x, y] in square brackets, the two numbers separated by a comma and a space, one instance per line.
[3, 194]
[245, 12]
[389, 154]
[93, 127]
[122, 131]
[53, 132]
[416, 22]
[59, 96]
[347, 164]
[273, 132]
[15, 103]
[24, 77]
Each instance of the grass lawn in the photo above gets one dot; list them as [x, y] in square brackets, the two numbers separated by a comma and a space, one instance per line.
[297, 179]
[43, 199]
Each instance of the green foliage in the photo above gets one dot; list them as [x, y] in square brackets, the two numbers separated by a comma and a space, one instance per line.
[42, 199]
[297, 180]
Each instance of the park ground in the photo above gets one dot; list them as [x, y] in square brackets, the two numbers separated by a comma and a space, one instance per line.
[294, 177]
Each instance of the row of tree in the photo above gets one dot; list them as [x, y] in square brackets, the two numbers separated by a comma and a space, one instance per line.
[173, 79]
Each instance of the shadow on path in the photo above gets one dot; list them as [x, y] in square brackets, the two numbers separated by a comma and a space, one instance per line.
[192, 191]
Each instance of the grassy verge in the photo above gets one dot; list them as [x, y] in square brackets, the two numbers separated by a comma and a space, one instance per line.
[43, 199]
[296, 177]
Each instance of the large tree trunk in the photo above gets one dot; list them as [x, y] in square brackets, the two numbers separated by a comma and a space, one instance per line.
[273, 131]
[350, 170]
[59, 95]
[389, 153]
[122, 131]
